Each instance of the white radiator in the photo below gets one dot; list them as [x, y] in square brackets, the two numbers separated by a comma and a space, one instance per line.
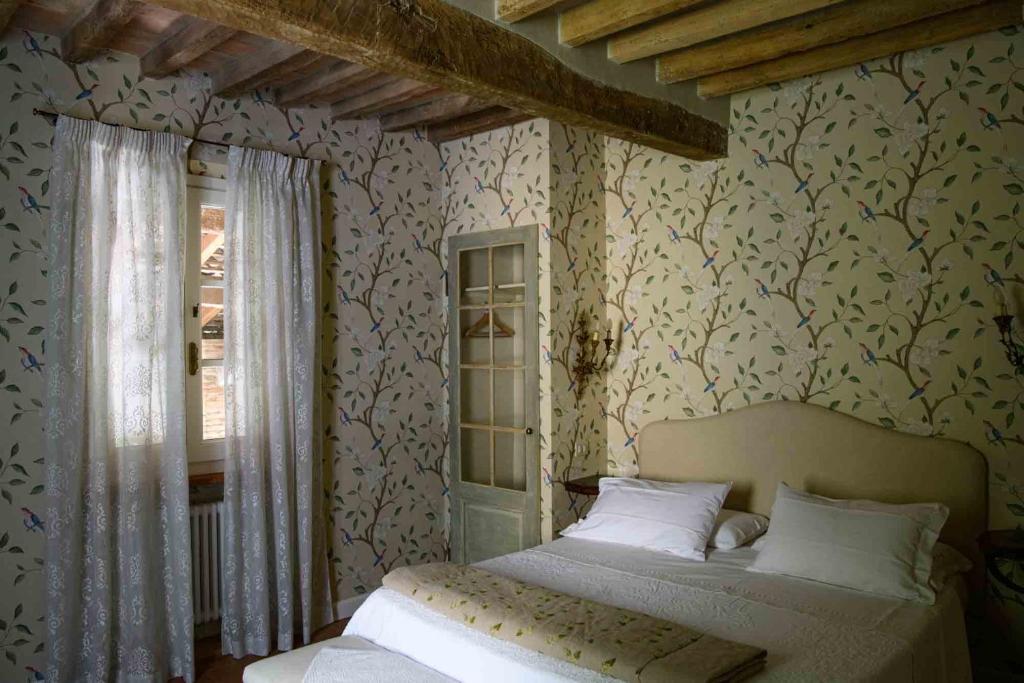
[207, 535]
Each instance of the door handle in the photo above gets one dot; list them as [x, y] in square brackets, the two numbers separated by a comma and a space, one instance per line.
[529, 430]
[193, 358]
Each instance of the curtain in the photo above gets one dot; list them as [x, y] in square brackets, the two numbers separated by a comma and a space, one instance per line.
[274, 562]
[118, 575]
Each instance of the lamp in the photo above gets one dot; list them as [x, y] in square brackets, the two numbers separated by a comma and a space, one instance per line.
[589, 358]
[1004, 323]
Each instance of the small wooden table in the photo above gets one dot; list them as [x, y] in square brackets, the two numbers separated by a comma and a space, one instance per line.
[1002, 544]
[586, 486]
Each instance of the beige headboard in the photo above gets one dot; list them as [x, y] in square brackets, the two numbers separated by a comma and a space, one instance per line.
[823, 452]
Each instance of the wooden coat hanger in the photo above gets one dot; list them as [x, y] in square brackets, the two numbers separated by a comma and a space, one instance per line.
[479, 328]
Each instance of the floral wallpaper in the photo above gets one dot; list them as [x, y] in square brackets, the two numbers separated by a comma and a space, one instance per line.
[383, 319]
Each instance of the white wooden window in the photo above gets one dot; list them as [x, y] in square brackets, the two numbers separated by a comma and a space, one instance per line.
[204, 322]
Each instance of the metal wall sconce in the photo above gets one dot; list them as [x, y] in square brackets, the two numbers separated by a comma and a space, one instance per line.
[1004, 323]
[590, 357]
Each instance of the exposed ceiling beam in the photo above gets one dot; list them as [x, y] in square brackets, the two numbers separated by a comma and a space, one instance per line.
[600, 18]
[516, 10]
[706, 23]
[824, 27]
[456, 50]
[940, 29]
[433, 112]
[183, 42]
[7, 10]
[481, 122]
[401, 93]
[240, 76]
[96, 28]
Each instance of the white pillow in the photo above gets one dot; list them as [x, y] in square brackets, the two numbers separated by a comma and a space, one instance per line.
[859, 544]
[734, 528]
[664, 516]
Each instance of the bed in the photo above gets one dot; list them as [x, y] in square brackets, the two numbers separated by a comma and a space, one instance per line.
[811, 631]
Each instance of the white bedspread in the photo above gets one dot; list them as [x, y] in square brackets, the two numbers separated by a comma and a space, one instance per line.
[812, 632]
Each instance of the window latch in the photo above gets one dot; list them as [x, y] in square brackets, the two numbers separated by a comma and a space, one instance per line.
[193, 358]
[195, 310]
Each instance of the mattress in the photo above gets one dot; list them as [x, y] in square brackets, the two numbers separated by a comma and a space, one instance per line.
[811, 631]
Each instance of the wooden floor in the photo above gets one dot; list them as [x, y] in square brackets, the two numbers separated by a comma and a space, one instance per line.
[213, 667]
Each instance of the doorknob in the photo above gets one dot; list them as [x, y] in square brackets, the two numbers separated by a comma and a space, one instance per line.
[529, 430]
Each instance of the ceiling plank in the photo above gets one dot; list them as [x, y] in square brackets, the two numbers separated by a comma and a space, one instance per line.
[480, 122]
[600, 18]
[705, 23]
[517, 10]
[940, 29]
[341, 74]
[806, 32]
[184, 41]
[7, 10]
[399, 94]
[431, 113]
[95, 28]
[453, 49]
[243, 75]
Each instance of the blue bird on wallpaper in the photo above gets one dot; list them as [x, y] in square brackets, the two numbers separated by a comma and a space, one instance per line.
[862, 72]
[86, 93]
[914, 93]
[478, 185]
[629, 326]
[548, 479]
[35, 674]
[673, 235]
[547, 354]
[346, 537]
[377, 559]
[444, 490]
[32, 521]
[572, 385]
[28, 202]
[375, 326]
[988, 119]
[505, 209]
[712, 385]
[419, 356]
[918, 392]
[376, 443]
[993, 434]
[992, 276]
[867, 355]
[866, 214]
[673, 355]
[344, 177]
[417, 135]
[546, 231]
[918, 241]
[629, 210]
[444, 382]
[419, 467]
[295, 134]
[760, 160]
[259, 99]
[29, 361]
[710, 259]
[805, 320]
[346, 419]
[802, 185]
[419, 245]
[572, 264]
[762, 289]
[344, 295]
[444, 165]
[31, 44]
[631, 440]
[375, 210]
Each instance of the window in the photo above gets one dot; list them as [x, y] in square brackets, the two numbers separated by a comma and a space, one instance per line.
[204, 320]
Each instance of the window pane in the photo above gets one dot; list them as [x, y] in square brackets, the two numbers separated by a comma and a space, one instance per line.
[475, 453]
[213, 403]
[211, 258]
[211, 317]
[510, 461]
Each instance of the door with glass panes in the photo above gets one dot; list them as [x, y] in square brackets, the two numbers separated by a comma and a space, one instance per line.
[495, 457]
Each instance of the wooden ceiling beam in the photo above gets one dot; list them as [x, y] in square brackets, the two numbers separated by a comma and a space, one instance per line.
[96, 28]
[335, 75]
[480, 122]
[706, 23]
[183, 42]
[933, 31]
[600, 18]
[806, 32]
[432, 113]
[7, 10]
[243, 75]
[399, 94]
[517, 10]
[453, 49]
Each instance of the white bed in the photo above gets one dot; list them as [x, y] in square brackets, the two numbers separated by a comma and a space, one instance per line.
[811, 631]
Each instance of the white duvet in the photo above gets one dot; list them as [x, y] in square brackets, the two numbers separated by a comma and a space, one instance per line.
[812, 632]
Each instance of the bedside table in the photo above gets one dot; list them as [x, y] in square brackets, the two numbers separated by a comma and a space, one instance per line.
[1002, 544]
[586, 486]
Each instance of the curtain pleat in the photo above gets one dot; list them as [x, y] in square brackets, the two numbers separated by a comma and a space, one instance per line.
[118, 575]
[274, 562]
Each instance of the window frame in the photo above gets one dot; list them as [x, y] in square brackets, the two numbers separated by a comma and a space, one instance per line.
[207, 454]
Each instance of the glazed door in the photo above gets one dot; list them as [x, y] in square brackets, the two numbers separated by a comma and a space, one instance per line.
[494, 402]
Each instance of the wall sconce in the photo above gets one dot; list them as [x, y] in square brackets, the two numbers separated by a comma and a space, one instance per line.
[589, 358]
[1004, 322]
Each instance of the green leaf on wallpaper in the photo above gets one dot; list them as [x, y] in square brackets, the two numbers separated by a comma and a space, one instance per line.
[883, 132]
[779, 350]
[886, 276]
[1013, 188]
[887, 422]
[778, 217]
[1016, 508]
[952, 333]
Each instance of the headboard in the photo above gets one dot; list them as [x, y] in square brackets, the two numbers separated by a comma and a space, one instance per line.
[824, 452]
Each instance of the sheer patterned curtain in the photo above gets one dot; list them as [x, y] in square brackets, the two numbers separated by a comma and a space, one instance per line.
[275, 562]
[118, 584]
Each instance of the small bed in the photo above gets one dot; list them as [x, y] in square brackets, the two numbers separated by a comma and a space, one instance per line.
[811, 631]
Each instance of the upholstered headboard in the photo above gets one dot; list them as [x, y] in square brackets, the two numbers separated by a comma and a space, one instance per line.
[823, 452]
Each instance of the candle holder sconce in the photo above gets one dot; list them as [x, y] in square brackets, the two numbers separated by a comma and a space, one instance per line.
[593, 353]
[1009, 340]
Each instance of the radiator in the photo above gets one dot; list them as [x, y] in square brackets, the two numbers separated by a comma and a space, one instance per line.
[207, 535]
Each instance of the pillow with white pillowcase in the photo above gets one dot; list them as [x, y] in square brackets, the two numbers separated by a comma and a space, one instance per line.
[734, 528]
[859, 544]
[669, 517]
